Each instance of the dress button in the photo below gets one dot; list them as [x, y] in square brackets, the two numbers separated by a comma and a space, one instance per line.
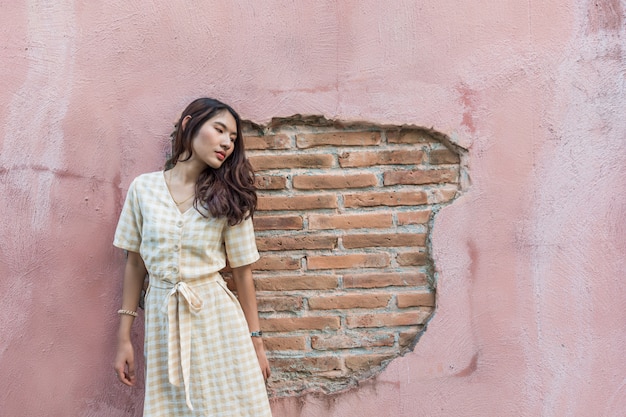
[176, 247]
[179, 223]
[175, 270]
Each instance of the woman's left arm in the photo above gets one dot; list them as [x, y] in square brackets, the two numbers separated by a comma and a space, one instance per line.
[247, 298]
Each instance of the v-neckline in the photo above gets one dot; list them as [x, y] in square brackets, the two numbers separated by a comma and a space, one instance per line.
[171, 197]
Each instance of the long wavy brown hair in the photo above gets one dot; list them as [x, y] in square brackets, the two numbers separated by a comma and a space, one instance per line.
[225, 192]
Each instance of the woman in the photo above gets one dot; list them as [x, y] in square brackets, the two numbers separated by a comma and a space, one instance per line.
[204, 353]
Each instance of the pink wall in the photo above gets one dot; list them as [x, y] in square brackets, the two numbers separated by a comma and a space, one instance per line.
[531, 317]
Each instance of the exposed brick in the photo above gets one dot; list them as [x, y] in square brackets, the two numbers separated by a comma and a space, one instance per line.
[265, 162]
[350, 221]
[368, 240]
[272, 243]
[441, 194]
[420, 177]
[301, 202]
[270, 182]
[310, 140]
[319, 182]
[388, 198]
[412, 258]
[423, 298]
[291, 324]
[381, 280]
[279, 303]
[365, 260]
[409, 318]
[409, 136]
[278, 141]
[413, 217]
[360, 363]
[353, 340]
[284, 343]
[443, 156]
[406, 338]
[284, 222]
[277, 262]
[290, 283]
[372, 158]
[306, 364]
[344, 301]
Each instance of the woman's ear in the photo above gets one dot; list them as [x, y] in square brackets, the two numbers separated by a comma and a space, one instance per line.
[186, 120]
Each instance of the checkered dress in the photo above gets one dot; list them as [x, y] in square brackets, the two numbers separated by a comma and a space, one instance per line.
[200, 360]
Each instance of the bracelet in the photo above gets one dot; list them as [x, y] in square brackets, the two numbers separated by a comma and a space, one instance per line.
[256, 334]
[127, 312]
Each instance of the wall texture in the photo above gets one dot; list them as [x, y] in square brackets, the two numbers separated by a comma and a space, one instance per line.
[531, 300]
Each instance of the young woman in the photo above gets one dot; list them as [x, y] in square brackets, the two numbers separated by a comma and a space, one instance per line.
[204, 353]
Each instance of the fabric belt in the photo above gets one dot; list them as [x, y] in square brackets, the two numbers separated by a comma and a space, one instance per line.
[180, 304]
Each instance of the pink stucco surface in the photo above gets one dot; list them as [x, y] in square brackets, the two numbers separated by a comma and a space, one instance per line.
[531, 315]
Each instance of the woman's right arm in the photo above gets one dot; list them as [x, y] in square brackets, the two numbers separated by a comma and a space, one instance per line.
[134, 275]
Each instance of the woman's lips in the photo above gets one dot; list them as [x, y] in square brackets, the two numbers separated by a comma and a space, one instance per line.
[220, 156]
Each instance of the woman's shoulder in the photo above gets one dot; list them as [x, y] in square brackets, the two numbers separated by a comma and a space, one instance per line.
[148, 179]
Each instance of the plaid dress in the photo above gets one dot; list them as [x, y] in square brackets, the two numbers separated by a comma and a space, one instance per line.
[200, 360]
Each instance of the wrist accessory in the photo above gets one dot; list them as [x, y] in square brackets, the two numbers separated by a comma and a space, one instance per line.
[127, 312]
[256, 334]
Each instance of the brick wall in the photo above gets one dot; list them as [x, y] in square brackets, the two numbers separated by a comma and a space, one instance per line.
[345, 282]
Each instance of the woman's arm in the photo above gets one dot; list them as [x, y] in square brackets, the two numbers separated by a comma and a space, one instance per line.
[247, 298]
[134, 275]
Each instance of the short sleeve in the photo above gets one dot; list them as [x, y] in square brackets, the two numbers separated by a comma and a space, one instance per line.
[128, 232]
[240, 244]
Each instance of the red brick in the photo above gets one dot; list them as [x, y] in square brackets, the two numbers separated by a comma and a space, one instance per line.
[351, 341]
[292, 324]
[319, 182]
[284, 343]
[310, 140]
[413, 217]
[441, 194]
[306, 364]
[423, 298]
[278, 262]
[373, 158]
[290, 283]
[362, 363]
[365, 260]
[368, 240]
[381, 280]
[407, 337]
[344, 301]
[412, 258]
[350, 221]
[443, 156]
[265, 162]
[272, 243]
[270, 182]
[420, 177]
[278, 141]
[388, 198]
[300, 202]
[280, 303]
[284, 222]
[409, 318]
[409, 136]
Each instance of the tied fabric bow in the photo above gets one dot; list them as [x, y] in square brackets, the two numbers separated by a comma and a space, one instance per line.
[180, 303]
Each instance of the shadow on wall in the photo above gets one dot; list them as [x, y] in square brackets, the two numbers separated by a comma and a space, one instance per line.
[345, 282]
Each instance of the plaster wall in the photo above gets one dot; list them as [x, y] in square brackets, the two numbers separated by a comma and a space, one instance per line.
[531, 313]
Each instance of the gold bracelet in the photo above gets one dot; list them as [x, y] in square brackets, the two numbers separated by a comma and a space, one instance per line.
[127, 312]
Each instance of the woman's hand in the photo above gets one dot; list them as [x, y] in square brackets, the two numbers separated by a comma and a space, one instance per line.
[260, 354]
[125, 363]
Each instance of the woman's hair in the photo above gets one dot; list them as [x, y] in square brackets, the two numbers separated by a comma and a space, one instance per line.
[225, 192]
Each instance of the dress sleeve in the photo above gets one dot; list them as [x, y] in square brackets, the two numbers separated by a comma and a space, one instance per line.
[128, 232]
[240, 244]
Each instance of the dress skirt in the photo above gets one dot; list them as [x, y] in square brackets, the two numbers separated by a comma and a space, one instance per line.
[200, 360]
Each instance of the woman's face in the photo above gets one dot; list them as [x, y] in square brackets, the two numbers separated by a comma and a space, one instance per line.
[215, 141]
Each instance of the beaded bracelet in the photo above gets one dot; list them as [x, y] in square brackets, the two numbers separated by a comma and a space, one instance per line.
[127, 312]
[256, 334]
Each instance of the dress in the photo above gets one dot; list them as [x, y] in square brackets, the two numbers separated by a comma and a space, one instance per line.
[200, 360]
